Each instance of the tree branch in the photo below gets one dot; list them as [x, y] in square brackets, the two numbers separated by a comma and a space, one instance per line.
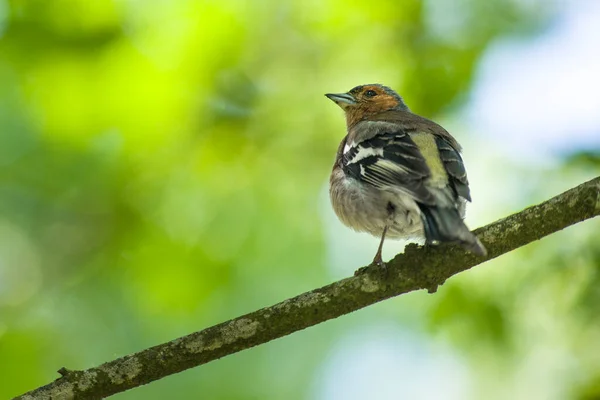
[417, 268]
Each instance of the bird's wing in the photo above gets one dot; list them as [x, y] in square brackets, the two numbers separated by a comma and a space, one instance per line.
[389, 160]
[448, 147]
[454, 166]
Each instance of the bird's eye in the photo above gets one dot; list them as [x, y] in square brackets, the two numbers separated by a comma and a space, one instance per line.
[370, 93]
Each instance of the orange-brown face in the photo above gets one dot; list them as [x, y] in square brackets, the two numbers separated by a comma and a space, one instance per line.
[366, 100]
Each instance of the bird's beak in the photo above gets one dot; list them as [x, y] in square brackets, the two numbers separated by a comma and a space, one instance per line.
[341, 99]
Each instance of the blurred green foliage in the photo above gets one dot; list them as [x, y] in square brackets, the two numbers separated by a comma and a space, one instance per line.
[161, 170]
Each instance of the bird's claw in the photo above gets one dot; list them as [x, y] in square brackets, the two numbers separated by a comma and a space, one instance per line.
[361, 270]
[377, 264]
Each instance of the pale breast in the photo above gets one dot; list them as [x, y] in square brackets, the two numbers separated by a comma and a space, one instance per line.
[366, 209]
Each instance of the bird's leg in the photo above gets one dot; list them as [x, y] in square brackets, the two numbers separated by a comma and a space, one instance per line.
[378, 260]
[391, 211]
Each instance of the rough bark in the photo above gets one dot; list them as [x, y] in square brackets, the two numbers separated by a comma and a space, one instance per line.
[417, 268]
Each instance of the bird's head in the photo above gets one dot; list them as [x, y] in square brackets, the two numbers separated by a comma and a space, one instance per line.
[367, 100]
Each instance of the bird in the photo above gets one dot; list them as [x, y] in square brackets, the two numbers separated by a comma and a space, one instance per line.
[397, 174]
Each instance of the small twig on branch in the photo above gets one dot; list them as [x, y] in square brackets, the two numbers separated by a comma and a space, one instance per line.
[417, 268]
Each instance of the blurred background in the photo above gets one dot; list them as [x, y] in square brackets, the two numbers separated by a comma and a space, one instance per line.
[164, 167]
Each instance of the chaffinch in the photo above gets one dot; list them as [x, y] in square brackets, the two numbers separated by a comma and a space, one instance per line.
[397, 174]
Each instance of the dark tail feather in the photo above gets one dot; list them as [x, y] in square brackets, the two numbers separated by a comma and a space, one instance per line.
[444, 224]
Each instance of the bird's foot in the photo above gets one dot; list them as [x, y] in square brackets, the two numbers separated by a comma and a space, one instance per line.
[361, 270]
[378, 264]
[378, 260]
